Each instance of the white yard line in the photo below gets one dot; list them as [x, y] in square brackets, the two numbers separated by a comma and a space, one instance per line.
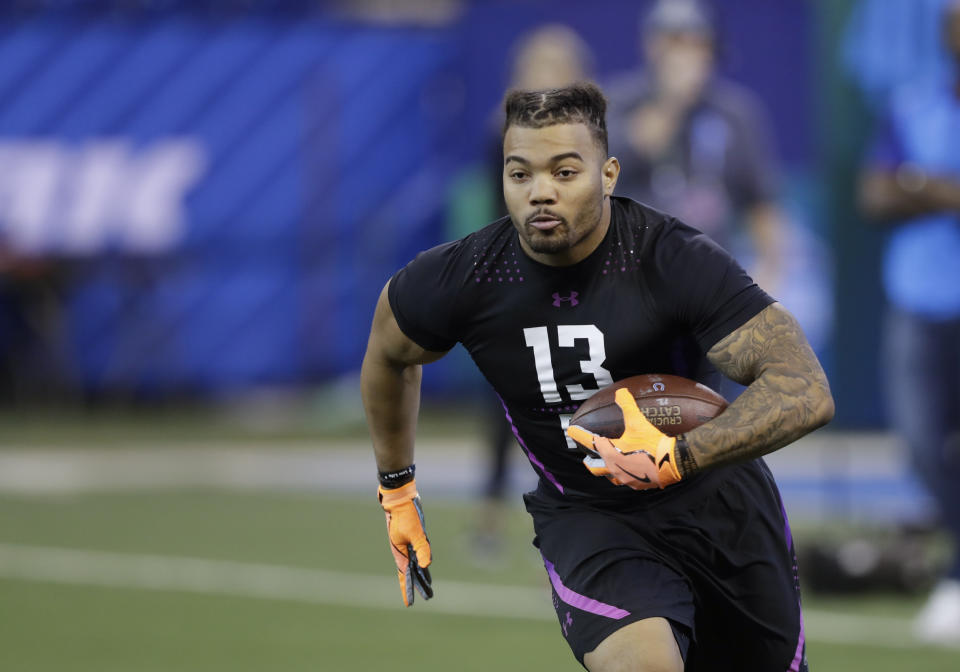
[348, 589]
[272, 582]
[444, 465]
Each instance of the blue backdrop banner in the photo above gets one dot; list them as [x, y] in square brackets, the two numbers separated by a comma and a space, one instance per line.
[227, 198]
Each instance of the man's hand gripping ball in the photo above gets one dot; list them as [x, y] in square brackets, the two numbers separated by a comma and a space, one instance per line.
[642, 458]
[408, 540]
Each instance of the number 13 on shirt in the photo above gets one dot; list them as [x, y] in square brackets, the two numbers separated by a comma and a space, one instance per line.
[538, 339]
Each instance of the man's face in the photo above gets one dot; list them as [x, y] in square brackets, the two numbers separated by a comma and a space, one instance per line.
[556, 182]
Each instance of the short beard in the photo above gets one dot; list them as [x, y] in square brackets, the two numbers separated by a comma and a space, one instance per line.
[550, 242]
[563, 237]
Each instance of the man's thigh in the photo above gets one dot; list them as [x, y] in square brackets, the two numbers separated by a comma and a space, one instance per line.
[737, 552]
[594, 603]
[643, 646]
[719, 567]
[604, 577]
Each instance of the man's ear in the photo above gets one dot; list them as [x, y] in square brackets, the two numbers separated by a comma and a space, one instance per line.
[610, 173]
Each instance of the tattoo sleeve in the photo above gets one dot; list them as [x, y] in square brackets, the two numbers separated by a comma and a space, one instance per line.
[787, 392]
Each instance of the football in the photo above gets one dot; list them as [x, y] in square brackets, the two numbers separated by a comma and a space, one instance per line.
[673, 404]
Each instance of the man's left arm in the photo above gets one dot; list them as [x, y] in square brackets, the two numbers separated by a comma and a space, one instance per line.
[787, 392]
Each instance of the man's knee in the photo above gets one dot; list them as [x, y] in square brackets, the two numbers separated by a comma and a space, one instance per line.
[642, 646]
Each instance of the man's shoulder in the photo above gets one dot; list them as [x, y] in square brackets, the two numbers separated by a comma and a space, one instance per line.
[657, 236]
[457, 263]
[425, 295]
[638, 216]
[494, 234]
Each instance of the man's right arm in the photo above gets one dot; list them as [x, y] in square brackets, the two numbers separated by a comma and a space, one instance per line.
[390, 387]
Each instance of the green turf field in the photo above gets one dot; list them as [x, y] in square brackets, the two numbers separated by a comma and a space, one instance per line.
[206, 580]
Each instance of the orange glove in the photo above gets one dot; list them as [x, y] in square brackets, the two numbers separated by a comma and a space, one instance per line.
[642, 458]
[408, 540]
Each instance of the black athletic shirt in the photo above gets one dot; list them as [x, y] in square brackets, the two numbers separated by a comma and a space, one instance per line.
[652, 298]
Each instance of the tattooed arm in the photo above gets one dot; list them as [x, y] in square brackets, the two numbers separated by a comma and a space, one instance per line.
[788, 393]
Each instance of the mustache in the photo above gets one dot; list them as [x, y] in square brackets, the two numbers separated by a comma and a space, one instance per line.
[545, 213]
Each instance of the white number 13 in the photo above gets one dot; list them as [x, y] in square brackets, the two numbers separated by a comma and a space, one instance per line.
[567, 335]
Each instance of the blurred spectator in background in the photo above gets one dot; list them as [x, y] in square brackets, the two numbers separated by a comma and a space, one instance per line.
[694, 145]
[548, 57]
[911, 179]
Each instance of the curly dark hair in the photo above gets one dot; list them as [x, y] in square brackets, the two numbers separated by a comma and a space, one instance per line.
[580, 103]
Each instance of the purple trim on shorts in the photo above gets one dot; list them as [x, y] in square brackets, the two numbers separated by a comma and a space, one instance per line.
[798, 656]
[795, 663]
[530, 456]
[581, 602]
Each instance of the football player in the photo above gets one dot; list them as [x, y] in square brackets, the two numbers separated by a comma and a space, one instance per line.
[670, 553]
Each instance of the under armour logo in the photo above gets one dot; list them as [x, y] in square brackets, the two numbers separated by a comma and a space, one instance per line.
[557, 299]
[659, 387]
[567, 622]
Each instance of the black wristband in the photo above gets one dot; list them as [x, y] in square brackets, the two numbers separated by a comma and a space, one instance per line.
[395, 479]
[685, 462]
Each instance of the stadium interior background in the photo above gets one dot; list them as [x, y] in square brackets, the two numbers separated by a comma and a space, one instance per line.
[199, 204]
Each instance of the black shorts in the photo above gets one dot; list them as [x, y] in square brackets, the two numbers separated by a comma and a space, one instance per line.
[714, 556]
